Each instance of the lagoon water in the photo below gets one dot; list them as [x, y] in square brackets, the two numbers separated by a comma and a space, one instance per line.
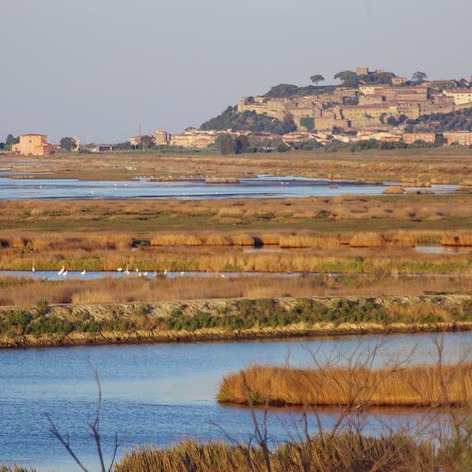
[261, 187]
[162, 393]
[78, 275]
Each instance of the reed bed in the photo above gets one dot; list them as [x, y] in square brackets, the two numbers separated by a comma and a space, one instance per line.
[332, 215]
[384, 263]
[66, 242]
[423, 386]
[343, 452]
[27, 292]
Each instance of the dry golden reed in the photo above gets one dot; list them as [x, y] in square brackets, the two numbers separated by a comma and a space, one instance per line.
[424, 386]
[27, 292]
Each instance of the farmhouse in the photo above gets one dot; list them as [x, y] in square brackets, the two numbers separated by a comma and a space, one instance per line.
[33, 145]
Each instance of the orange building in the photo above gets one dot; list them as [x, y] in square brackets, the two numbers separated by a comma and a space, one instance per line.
[411, 138]
[33, 145]
[462, 138]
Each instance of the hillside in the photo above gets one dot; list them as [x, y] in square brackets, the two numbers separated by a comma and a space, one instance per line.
[439, 122]
[365, 100]
[248, 121]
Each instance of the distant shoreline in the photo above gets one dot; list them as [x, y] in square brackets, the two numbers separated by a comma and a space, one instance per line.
[131, 339]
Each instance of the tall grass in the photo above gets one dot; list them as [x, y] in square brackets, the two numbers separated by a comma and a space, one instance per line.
[343, 452]
[27, 292]
[400, 387]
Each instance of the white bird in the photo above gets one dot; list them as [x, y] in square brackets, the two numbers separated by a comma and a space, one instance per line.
[182, 274]
[33, 269]
[62, 270]
[145, 274]
[83, 272]
[165, 272]
[120, 269]
[127, 270]
[154, 273]
[64, 274]
[223, 276]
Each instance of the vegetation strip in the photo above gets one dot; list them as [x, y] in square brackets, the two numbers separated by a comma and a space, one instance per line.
[200, 320]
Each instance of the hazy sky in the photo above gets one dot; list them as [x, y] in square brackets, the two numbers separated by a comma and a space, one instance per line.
[96, 68]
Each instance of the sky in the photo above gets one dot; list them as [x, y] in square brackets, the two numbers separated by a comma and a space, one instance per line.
[100, 69]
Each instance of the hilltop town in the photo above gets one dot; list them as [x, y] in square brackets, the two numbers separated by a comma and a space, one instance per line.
[367, 107]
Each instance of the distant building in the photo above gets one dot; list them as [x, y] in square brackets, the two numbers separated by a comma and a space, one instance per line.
[194, 138]
[399, 80]
[101, 148]
[411, 138]
[462, 138]
[135, 140]
[362, 70]
[33, 145]
[161, 137]
[460, 96]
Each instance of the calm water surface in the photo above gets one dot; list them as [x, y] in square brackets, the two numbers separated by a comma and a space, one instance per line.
[158, 394]
[263, 187]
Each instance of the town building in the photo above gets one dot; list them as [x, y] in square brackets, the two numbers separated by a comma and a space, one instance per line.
[135, 141]
[399, 81]
[161, 137]
[98, 148]
[194, 138]
[460, 96]
[33, 145]
[411, 138]
[462, 138]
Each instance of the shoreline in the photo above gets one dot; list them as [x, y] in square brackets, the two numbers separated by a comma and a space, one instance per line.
[185, 337]
[230, 319]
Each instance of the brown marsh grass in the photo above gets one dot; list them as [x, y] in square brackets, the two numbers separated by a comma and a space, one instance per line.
[424, 386]
[40, 243]
[344, 214]
[340, 453]
[382, 261]
[27, 292]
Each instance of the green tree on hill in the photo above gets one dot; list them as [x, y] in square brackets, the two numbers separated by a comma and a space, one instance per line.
[377, 78]
[419, 77]
[348, 78]
[317, 78]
